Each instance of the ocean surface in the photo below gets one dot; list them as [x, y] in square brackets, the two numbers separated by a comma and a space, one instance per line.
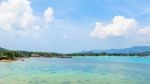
[77, 70]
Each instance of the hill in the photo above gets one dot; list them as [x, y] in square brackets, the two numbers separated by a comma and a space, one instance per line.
[135, 49]
[2, 48]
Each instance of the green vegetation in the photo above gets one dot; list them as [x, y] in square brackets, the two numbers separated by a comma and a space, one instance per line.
[11, 55]
[110, 54]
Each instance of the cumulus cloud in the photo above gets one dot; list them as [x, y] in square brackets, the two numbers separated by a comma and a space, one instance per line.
[18, 16]
[48, 15]
[120, 26]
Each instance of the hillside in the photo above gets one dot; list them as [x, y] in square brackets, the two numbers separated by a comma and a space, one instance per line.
[135, 49]
[2, 48]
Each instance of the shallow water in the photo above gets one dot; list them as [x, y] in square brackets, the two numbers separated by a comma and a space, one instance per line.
[77, 70]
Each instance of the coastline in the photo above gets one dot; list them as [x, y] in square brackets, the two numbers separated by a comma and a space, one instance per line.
[6, 59]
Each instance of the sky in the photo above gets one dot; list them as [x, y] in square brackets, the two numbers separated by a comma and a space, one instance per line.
[73, 25]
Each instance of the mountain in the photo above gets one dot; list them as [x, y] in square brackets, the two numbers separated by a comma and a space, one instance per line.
[135, 49]
[2, 48]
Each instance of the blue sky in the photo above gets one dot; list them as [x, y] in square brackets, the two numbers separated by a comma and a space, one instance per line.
[73, 25]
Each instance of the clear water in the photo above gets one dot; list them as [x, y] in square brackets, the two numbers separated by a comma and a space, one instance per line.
[77, 70]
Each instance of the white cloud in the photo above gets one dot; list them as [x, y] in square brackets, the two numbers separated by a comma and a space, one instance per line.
[48, 15]
[120, 26]
[145, 31]
[18, 16]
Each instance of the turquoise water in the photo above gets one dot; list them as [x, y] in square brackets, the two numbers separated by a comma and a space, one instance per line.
[77, 70]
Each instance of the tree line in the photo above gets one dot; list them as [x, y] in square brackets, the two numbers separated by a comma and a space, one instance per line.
[13, 54]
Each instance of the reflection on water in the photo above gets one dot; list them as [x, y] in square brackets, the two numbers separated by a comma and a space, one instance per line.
[78, 70]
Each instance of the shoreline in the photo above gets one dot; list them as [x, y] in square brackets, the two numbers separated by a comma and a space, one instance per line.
[60, 57]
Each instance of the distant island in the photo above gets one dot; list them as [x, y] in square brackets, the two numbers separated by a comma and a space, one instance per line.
[138, 51]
